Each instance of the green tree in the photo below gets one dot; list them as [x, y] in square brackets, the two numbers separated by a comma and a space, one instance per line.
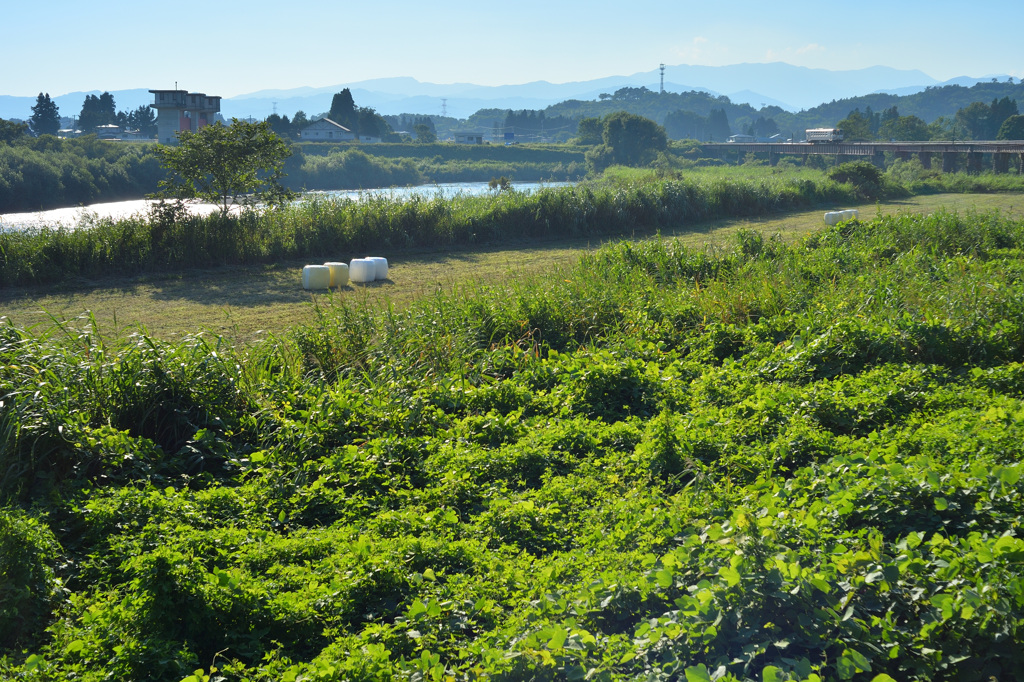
[887, 120]
[718, 126]
[299, 122]
[343, 110]
[904, 128]
[763, 127]
[11, 131]
[97, 111]
[590, 131]
[142, 119]
[1012, 128]
[941, 128]
[45, 118]
[634, 140]
[999, 111]
[628, 94]
[280, 124]
[972, 121]
[685, 125]
[370, 124]
[856, 127]
[424, 133]
[237, 164]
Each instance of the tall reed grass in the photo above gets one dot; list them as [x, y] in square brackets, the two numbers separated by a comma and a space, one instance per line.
[319, 227]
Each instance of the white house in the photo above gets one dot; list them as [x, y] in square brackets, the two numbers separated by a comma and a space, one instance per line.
[326, 130]
[469, 138]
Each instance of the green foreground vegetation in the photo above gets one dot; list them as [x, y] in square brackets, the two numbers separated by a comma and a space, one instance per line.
[765, 462]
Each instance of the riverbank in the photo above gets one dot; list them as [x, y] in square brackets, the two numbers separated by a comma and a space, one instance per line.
[79, 217]
[245, 303]
[322, 228]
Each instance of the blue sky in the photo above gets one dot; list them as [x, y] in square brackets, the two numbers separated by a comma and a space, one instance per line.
[229, 48]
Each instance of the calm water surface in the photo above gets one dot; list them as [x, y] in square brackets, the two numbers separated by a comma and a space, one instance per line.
[81, 216]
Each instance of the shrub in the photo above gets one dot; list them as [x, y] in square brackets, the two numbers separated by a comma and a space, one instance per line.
[29, 589]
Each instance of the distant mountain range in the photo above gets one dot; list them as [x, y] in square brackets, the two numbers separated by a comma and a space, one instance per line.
[788, 87]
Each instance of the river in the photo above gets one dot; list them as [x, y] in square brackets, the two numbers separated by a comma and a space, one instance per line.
[82, 216]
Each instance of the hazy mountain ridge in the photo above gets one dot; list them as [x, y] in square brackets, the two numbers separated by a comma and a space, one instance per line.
[781, 85]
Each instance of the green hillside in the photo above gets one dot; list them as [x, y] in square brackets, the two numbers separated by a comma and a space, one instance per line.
[928, 105]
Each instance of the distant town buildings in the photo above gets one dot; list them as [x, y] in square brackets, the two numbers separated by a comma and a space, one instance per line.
[178, 110]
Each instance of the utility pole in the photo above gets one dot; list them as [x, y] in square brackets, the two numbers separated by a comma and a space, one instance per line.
[662, 69]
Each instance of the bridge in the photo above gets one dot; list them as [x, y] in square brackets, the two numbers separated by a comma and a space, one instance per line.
[952, 152]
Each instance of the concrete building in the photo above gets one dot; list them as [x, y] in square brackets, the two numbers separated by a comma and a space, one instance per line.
[178, 110]
[326, 130]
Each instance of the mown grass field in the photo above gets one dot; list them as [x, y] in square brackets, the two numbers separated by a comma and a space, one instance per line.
[244, 302]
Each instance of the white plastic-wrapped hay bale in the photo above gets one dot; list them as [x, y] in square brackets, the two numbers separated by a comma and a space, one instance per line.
[362, 270]
[316, 277]
[833, 217]
[851, 214]
[339, 274]
[380, 265]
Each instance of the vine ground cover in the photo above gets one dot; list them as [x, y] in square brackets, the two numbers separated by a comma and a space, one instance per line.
[768, 462]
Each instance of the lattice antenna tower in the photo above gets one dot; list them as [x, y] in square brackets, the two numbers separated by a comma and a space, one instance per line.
[662, 69]
[275, 108]
[444, 106]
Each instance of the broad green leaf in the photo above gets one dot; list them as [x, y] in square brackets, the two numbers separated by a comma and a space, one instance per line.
[558, 637]
[1011, 474]
[698, 673]
[851, 663]
[730, 574]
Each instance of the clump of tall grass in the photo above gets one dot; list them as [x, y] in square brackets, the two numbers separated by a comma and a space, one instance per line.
[75, 404]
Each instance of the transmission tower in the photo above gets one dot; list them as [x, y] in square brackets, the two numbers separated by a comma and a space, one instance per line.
[662, 69]
[444, 106]
[275, 108]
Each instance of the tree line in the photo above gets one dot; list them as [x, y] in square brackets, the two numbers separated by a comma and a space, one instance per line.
[96, 111]
[687, 115]
[1000, 120]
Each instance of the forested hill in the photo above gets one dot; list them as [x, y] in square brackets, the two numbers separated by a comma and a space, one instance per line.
[929, 105]
[656, 106]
